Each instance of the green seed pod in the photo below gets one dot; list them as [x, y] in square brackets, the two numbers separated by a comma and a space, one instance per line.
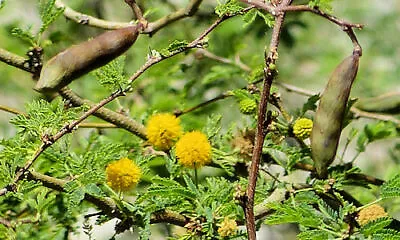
[330, 113]
[80, 59]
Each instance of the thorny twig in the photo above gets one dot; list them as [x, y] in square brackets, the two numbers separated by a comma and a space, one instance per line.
[270, 60]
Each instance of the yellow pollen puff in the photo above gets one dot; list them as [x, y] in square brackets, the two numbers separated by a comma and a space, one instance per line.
[227, 228]
[163, 130]
[371, 213]
[123, 174]
[193, 150]
[302, 128]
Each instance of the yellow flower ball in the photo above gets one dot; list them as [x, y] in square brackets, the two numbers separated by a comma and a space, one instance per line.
[227, 228]
[302, 128]
[123, 174]
[163, 130]
[193, 150]
[371, 213]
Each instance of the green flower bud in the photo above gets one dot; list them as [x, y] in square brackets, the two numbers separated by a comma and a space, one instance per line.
[302, 128]
[247, 106]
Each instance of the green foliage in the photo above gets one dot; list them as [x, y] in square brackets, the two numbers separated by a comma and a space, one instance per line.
[44, 118]
[24, 35]
[301, 213]
[48, 13]
[387, 234]
[251, 16]
[374, 226]
[175, 46]
[374, 132]
[111, 76]
[256, 74]
[2, 3]
[313, 235]
[229, 7]
[391, 188]
[311, 104]
[325, 5]
[220, 73]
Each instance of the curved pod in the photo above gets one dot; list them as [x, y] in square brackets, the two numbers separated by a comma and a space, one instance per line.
[80, 59]
[330, 113]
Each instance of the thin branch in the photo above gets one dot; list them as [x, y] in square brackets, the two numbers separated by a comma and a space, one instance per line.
[10, 110]
[109, 207]
[291, 88]
[14, 60]
[106, 204]
[96, 125]
[137, 11]
[301, 8]
[84, 19]
[210, 55]
[191, 109]
[383, 117]
[270, 59]
[305, 8]
[106, 114]
[188, 11]
[150, 28]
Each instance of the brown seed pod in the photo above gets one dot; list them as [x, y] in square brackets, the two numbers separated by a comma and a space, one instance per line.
[330, 113]
[80, 59]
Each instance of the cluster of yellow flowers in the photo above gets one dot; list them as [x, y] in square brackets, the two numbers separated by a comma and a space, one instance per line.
[302, 128]
[371, 213]
[193, 149]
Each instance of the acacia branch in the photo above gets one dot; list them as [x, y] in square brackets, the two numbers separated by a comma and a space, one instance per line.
[106, 204]
[188, 11]
[109, 207]
[14, 60]
[11, 110]
[106, 114]
[84, 19]
[270, 60]
[301, 8]
[151, 27]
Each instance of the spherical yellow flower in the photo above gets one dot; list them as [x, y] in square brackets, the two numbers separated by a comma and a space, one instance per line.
[227, 228]
[123, 174]
[371, 213]
[163, 130]
[193, 150]
[302, 128]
